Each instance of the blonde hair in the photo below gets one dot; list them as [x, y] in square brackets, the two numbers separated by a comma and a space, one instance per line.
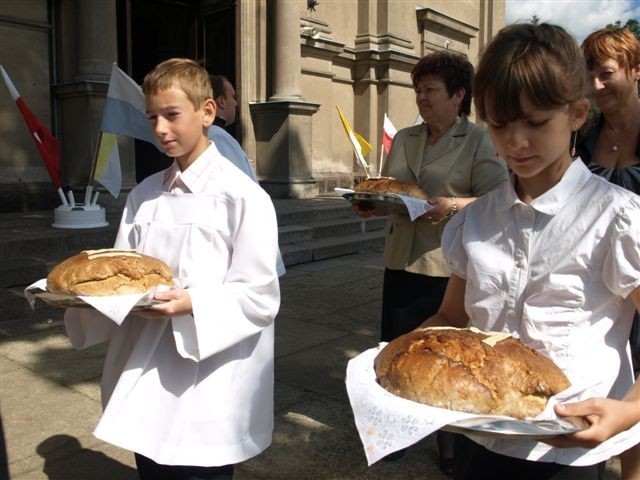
[543, 62]
[181, 73]
[618, 44]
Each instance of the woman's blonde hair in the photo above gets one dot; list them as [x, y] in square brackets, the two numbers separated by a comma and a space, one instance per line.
[543, 62]
[181, 73]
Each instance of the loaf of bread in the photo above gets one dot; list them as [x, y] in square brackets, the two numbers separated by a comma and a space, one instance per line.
[462, 370]
[384, 185]
[108, 272]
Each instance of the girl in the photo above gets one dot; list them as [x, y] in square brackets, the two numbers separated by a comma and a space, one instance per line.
[553, 256]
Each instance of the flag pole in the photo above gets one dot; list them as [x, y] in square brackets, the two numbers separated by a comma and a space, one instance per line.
[89, 191]
[62, 197]
[381, 159]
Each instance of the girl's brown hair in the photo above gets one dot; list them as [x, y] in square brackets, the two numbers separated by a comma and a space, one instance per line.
[542, 62]
[183, 74]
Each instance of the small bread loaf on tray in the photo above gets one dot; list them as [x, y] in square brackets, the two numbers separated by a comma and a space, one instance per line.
[384, 185]
[461, 370]
[108, 272]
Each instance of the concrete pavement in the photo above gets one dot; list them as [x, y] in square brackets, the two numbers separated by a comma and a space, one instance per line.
[50, 396]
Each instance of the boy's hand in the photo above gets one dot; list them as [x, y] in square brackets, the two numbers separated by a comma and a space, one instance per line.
[175, 302]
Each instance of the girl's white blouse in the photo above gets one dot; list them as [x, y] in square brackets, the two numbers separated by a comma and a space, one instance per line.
[556, 273]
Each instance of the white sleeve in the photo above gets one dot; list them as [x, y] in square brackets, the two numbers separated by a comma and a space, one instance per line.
[86, 327]
[621, 270]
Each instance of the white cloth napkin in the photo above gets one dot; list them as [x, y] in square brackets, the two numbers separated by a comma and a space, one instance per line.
[387, 423]
[116, 307]
[415, 206]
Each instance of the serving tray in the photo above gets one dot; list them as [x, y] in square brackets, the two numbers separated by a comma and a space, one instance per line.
[390, 202]
[501, 427]
[60, 300]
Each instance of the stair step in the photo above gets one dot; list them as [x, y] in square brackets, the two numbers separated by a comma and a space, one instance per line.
[309, 213]
[14, 244]
[321, 249]
[288, 234]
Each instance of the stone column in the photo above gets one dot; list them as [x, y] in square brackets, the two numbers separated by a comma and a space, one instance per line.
[283, 125]
[81, 96]
[286, 54]
[97, 49]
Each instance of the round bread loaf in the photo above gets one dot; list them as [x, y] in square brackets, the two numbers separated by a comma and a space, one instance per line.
[460, 370]
[384, 185]
[108, 272]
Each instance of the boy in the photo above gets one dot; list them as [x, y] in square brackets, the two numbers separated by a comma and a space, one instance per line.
[188, 385]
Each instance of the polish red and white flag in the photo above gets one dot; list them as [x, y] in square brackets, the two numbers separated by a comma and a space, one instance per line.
[388, 132]
[48, 145]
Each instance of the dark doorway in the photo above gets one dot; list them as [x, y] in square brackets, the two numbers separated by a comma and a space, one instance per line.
[150, 31]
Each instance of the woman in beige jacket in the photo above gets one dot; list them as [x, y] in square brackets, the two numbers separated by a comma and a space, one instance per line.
[453, 161]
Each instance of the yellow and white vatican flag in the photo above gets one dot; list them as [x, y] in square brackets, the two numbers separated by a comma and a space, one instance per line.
[124, 114]
[360, 146]
[107, 164]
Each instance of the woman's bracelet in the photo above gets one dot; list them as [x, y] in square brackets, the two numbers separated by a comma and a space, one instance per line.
[452, 211]
[454, 207]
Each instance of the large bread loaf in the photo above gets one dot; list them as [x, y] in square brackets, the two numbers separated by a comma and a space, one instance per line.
[461, 370]
[384, 185]
[108, 272]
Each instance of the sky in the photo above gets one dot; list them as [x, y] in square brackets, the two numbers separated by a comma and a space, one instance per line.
[579, 17]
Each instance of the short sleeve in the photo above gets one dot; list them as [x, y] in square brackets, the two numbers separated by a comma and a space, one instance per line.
[453, 249]
[621, 270]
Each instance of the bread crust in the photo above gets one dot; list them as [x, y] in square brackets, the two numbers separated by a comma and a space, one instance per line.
[384, 185]
[108, 272]
[456, 370]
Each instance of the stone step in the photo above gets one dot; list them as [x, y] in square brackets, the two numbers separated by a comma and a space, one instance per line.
[309, 212]
[321, 249]
[288, 234]
[15, 243]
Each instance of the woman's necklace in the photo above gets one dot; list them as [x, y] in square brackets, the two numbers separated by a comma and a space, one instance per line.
[615, 145]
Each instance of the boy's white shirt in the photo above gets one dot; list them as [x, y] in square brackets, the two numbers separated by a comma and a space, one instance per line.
[556, 273]
[195, 389]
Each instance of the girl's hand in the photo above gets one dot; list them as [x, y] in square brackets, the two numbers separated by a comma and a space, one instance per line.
[607, 417]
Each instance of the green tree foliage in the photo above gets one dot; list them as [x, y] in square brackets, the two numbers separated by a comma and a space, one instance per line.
[632, 24]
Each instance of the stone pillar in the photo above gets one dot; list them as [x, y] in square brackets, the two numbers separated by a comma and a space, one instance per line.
[283, 142]
[286, 54]
[97, 48]
[283, 125]
[81, 96]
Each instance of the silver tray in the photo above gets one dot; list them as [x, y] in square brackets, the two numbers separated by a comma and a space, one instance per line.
[501, 427]
[390, 202]
[60, 300]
